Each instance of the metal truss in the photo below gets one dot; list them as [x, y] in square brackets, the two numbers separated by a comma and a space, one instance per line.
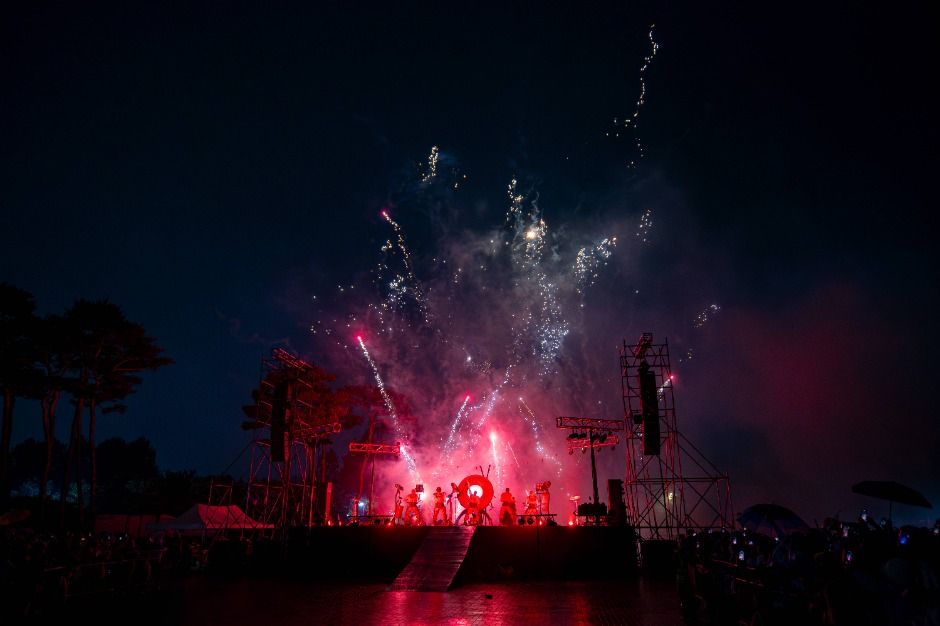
[375, 448]
[585, 423]
[281, 492]
[678, 489]
[284, 492]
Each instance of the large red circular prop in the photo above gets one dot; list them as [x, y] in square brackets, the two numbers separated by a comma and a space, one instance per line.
[475, 480]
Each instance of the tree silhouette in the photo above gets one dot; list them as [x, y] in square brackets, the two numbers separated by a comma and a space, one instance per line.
[28, 463]
[16, 360]
[106, 352]
[127, 473]
[49, 380]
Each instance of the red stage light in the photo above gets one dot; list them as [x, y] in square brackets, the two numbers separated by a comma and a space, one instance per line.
[570, 523]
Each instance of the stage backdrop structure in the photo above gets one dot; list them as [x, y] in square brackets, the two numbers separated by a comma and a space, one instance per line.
[285, 488]
[670, 486]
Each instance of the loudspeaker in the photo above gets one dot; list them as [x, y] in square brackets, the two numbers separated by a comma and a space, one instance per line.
[615, 495]
[589, 508]
[649, 397]
[617, 515]
[323, 503]
[279, 420]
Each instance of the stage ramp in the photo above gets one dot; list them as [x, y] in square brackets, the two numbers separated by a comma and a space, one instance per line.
[437, 561]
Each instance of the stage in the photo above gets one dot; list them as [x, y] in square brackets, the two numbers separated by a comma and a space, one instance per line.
[378, 554]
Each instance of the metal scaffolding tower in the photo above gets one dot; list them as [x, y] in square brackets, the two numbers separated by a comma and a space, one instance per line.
[284, 488]
[670, 485]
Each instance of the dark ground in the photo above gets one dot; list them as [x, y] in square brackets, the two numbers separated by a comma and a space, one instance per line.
[635, 601]
[205, 602]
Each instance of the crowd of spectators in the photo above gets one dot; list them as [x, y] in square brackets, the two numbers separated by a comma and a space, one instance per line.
[40, 571]
[855, 573]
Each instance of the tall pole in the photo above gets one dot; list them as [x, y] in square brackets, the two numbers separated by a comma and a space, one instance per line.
[597, 511]
[312, 473]
[372, 486]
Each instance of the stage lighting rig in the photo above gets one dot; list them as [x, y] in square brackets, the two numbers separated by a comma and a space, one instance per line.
[597, 441]
[373, 450]
[588, 434]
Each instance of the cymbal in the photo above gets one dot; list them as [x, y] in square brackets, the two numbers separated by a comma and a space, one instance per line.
[574, 498]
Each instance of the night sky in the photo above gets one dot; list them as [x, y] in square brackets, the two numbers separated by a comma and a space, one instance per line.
[212, 167]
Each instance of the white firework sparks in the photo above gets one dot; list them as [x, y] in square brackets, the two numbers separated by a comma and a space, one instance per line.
[708, 313]
[430, 172]
[590, 259]
[621, 125]
[645, 226]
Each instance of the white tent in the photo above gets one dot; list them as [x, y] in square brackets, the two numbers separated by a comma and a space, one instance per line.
[210, 517]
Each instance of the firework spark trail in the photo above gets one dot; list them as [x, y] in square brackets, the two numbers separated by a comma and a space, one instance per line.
[666, 383]
[645, 226]
[457, 438]
[396, 426]
[431, 171]
[623, 124]
[399, 285]
[702, 318]
[496, 463]
[589, 260]
[513, 452]
[490, 404]
[452, 433]
[515, 203]
[533, 423]
[543, 327]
